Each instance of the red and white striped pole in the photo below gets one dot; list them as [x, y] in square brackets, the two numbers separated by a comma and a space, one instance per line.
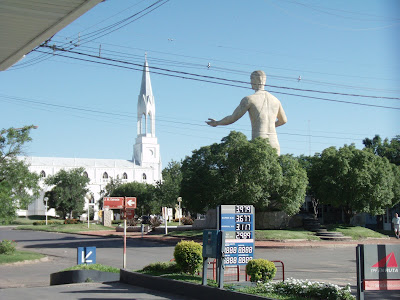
[124, 261]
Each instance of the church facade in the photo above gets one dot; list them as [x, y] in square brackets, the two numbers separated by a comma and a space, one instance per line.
[145, 165]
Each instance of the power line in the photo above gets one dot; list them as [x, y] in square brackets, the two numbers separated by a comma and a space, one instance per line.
[120, 24]
[129, 116]
[241, 82]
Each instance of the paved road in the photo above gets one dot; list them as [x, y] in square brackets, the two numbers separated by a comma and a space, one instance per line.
[329, 264]
[87, 291]
[61, 250]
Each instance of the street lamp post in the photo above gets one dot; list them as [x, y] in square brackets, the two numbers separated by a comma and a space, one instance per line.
[180, 212]
[45, 212]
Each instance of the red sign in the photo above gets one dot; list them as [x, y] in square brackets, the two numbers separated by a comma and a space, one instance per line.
[387, 262]
[114, 202]
[130, 202]
[130, 213]
[375, 285]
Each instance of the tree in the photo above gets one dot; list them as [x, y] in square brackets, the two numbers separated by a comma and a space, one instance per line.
[18, 186]
[307, 163]
[168, 190]
[68, 192]
[356, 180]
[390, 150]
[109, 188]
[144, 194]
[238, 171]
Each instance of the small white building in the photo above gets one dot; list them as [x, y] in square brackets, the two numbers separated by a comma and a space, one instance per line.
[145, 165]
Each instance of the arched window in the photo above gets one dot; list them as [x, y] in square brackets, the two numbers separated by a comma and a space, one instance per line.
[42, 174]
[105, 175]
[86, 174]
[124, 176]
[144, 176]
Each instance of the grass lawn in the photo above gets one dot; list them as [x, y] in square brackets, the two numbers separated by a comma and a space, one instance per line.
[65, 228]
[288, 234]
[97, 267]
[356, 232]
[187, 233]
[29, 220]
[260, 234]
[19, 256]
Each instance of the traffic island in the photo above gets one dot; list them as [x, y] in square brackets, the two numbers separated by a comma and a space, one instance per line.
[79, 276]
[194, 291]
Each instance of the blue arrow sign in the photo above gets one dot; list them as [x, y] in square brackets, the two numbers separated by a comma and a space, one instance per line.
[86, 255]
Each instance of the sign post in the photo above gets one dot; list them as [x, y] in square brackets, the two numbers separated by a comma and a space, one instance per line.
[237, 224]
[124, 203]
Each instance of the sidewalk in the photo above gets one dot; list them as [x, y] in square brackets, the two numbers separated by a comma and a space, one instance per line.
[282, 244]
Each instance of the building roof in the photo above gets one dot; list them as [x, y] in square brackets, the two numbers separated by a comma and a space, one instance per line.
[25, 24]
[78, 162]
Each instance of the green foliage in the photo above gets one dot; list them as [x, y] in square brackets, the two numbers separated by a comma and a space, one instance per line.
[7, 247]
[18, 186]
[168, 190]
[43, 222]
[260, 270]
[161, 268]
[187, 221]
[97, 267]
[238, 171]
[356, 180]
[71, 221]
[19, 256]
[143, 192]
[390, 150]
[188, 256]
[109, 188]
[303, 289]
[69, 191]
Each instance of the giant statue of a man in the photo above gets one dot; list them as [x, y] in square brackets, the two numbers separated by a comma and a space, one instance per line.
[265, 110]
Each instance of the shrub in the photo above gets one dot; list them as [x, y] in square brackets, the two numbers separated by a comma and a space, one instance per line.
[186, 221]
[162, 268]
[71, 221]
[308, 289]
[7, 247]
[188, 256]
[155, 222]
[44, 222]
[261, 270]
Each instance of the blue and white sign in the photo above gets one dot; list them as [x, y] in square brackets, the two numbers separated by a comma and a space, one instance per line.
[86, 255]
[237, 221]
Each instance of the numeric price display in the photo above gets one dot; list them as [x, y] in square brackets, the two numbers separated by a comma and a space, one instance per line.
[238, 223]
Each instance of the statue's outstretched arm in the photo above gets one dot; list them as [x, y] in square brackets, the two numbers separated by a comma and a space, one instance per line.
[236, 115]
[282, 119]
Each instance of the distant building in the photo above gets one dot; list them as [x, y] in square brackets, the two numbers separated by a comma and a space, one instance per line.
[145, 165]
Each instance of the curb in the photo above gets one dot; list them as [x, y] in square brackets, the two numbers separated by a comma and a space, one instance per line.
[194, 291]
[79, 276]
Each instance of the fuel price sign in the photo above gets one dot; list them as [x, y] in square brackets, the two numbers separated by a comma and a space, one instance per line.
[238, 223]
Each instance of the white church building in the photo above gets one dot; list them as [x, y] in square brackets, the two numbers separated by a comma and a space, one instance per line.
[145, 165]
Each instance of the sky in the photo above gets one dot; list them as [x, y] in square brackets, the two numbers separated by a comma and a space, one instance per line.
[321, 59]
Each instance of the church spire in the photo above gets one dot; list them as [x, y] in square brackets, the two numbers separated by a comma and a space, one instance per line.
[145, 88]
[146, 151]
[146, 107]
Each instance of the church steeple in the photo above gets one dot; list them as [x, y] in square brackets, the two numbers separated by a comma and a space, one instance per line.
[146, 149]
[146, 108]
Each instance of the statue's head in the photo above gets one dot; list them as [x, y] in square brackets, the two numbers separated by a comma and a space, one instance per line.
[258, 79]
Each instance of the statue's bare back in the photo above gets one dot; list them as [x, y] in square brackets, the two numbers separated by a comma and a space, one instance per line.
[265, 111]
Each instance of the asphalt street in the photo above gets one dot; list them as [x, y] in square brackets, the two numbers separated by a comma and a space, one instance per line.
[335, 265]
